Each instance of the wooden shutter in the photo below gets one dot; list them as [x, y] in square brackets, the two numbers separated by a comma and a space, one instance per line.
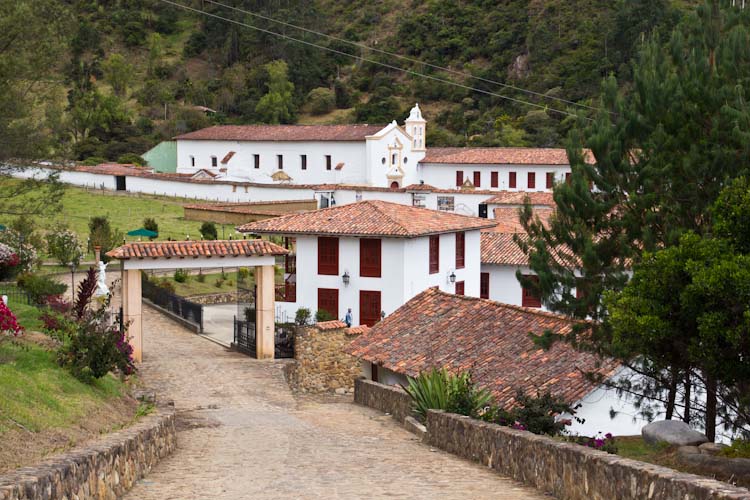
[512, 180]
[434, 254]
[494, 180]
[328, 300]
[529, 298]
[369, 307]
[328, 256]
[460, 250]
[484, 285]
[460, 288]
[477, 179]
[370, 257]
[459, 178]
[531, 183]
[550, 179]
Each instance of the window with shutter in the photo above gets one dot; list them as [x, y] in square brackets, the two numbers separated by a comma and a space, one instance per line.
[512, 180]
[460, 250]
[531, 183]
[370, 257]
[529, 298]
[494, 182]
[550, 179]
[434, 254]
[484, 285]
[459, 178]
[328, 256]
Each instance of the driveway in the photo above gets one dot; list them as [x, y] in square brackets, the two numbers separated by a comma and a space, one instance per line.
[243, 435]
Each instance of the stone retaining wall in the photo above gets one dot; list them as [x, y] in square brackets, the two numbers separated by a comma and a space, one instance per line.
[566, 470]
[103, 470]
[321, 365]
[388, 399]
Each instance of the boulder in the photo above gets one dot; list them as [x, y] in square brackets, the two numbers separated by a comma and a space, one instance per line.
[674, 432]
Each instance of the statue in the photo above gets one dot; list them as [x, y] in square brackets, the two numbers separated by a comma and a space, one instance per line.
[101, 288]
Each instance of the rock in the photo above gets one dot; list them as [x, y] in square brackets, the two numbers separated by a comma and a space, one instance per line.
[674, 432]
[711, 448]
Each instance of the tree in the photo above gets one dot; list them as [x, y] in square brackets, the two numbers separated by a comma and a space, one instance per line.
[118, 73]
[277, 105]
[63, 245]
[150, 224]
[208, 231]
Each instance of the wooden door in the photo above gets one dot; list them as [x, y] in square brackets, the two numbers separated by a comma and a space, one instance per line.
[369, 307]
[328, 300]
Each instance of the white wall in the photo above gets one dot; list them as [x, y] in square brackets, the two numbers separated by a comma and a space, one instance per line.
[443, 175]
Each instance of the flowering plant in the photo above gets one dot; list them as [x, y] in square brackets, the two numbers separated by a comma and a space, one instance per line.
[8, 321]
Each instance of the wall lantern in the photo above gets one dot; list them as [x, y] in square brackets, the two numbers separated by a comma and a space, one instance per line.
[345, 277]
[452, 277]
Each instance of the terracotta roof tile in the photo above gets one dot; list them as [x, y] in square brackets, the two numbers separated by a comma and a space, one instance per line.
[282, 133]
[182, 249]
[489, 339]
[498, 156]
[369, 218]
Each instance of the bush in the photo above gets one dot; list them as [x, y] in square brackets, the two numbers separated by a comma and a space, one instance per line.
[39, 288]
[208, 231]
[303, 316]
[322, 100]
[323, 315]
[441, 390]
[181, 276]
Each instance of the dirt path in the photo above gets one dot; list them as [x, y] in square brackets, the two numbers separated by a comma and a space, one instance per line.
[244, 435]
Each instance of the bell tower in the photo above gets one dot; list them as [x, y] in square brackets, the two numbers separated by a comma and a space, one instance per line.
[416, 126]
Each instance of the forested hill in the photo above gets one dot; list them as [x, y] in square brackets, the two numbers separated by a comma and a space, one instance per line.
[122, 75]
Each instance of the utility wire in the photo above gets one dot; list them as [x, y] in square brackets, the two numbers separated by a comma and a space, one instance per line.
[371, 61]
[402, 57]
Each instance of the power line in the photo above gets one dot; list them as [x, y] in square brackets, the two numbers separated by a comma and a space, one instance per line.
[402, 57]
[371, 61]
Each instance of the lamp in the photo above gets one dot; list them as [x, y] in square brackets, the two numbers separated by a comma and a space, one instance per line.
[345, 277]
[452, 277]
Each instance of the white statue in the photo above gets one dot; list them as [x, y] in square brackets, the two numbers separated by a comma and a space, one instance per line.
[101, 289]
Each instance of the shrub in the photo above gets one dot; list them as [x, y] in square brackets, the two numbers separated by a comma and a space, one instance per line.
[303, 316]
[208, 231]
[322, 100]
[441, 390]
[8, 322]
[181, 276]
[39, 288]
[323, 315]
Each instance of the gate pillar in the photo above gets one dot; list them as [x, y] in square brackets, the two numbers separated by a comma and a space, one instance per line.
[265, 328]
[131, 310]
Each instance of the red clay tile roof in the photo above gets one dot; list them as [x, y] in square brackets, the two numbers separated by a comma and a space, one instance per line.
[369, 218]
[282, 133]
[500, 249]
[489, 339]
[182, 249]
[497, 156]
[518, 198]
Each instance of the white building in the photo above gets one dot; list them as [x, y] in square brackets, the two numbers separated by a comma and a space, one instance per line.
[373, 256]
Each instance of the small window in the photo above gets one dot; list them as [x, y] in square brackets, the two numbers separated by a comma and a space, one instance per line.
[531, 182]
[280, 161]
[460, 250]
[303, 161]
[477, 179]
[529, 297]
[256, 161]
[434, 254]
[192, 161]
[459, 178]
[494, 182]
[550, 179]
[460, 288]
[512, 180]
[484, 285]
[328, 162]
[214, 161]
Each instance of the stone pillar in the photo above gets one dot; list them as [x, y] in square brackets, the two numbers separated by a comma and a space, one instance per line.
[265, 311]
[131, 310]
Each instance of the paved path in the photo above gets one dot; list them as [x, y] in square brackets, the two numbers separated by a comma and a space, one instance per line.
[243, 435]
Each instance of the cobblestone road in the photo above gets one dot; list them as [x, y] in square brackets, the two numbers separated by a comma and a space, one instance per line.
[244, 435]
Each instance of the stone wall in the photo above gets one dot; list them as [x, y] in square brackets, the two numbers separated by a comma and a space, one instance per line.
[103, 470]
[386, 398]
[321, 365]
[566, 470]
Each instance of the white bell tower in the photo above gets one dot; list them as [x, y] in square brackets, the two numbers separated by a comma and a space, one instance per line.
[416, 127]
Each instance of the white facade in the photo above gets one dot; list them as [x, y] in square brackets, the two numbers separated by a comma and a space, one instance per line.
[404, 272]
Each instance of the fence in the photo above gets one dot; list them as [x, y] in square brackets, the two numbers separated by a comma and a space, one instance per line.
[189, 311]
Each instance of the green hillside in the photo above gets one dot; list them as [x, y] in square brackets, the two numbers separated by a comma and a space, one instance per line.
[121, 75]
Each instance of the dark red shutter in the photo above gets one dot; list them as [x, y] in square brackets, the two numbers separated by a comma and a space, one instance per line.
[484, 285]
[460, 288]
[328, 256]
[459, 178]
[369, 307]
[434, 254]
[529, 298]
[531, 180]
[494, 180]
[512, 180]
[477, 179]
[328, 300]
[460, 250]
[550, 179]
[370, 256]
